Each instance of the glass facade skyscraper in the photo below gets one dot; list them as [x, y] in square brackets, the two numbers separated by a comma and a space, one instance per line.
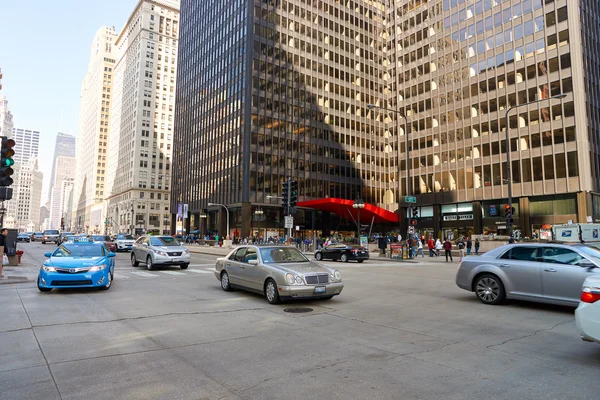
[271, 89]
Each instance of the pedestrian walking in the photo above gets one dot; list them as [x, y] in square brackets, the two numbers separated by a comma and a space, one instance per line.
[476, 247]
[431, 246]
[469, 246]
[420, 250]
[448, 249]
[413, 246]
[3, 233]
[438, 247]
[461, 248]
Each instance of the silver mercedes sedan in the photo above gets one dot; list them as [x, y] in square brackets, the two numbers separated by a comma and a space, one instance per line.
[547, 273]
[277, 272]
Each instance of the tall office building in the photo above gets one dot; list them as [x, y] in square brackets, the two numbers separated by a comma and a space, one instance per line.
[64, 146]
[271, 89]
[27, 196]
[27, 145]
[142, 118]
[64, 170]
[6, 118]
[94, 121]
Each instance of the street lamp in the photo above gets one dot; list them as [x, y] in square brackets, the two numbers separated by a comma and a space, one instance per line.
[408, 180]
[509, 223]
[227, 210]
[358, 204]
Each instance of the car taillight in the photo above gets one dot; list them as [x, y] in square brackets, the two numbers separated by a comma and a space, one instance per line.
[590, 294]
[353, 251]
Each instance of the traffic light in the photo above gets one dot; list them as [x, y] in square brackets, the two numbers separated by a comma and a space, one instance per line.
[413, 222]
[6, 162]
[285, 194]
[293, 193]
[415, 212]
[508, 213]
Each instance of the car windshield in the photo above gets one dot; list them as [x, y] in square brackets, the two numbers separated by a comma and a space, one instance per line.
[78, 250]
[282, 255]
[164, 241]
[51, 232]
[125, 237]
[593, 252]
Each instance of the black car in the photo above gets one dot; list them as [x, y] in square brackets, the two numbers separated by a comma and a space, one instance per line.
[343, 252]
[37, 236]
[23, 237]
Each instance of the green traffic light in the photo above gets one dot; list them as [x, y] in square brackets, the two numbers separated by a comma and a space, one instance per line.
[8, 162]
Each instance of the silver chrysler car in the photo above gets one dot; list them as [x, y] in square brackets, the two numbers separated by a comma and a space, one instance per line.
[277, 272]
[159, 250]
[547, 273]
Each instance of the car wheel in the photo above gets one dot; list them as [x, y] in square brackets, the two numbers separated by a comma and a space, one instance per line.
[43, 242]
[149, 263]
[134, 261]
[225, 285]
[108, 284]
[344, 258]
[359, 261]
[42, 289]
[489, 289]
[184, 266]
[318, 256]
[271, 292]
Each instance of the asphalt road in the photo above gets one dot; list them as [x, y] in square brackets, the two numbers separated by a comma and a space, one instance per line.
[398, 331]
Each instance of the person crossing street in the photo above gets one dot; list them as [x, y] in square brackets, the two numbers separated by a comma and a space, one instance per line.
[448, 249]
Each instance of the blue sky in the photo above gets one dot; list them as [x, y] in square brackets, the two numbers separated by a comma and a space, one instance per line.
[44, 54]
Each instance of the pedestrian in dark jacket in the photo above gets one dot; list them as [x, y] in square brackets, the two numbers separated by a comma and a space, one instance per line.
[448, 249]
[469, 245]
[476, 247]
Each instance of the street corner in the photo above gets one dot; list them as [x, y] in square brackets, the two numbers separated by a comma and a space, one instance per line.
[18, 274]
[10, 279]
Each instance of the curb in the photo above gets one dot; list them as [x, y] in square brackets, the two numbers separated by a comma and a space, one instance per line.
[7, 280]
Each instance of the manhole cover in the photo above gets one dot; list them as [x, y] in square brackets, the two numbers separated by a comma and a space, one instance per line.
[298, 310]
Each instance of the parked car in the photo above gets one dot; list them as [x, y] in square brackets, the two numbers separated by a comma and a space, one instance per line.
[51, 235]
[342, 252]
[547, 273]
[77, 265]
[277, 272]
[37, 236]
[30, 234]
[587, 315]
[23, 237]
[124, 241]
[106, 240]
[159, 250]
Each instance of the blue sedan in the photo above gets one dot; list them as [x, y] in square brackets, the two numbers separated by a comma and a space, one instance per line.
[77, 265]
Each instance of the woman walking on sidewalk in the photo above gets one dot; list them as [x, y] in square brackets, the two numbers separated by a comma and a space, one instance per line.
[420, 249]
[438, 247]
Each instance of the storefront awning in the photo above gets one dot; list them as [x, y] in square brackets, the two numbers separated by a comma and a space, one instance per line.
[344, 209]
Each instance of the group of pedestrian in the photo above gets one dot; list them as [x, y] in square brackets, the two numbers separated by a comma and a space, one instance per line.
[463, 243]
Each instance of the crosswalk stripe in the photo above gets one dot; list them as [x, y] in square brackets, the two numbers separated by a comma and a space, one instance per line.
[202, 265]
[119, 276]
[172, 272]
[144, 274]
[200, 271]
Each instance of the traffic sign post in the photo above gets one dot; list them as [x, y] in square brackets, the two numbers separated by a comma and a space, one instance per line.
[289, 224]
[410, 199]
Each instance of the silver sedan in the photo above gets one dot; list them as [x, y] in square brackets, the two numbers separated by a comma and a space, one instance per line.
[278, 273]
[547, 273]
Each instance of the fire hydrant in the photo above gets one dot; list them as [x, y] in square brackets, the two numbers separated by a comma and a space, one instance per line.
[19, 254]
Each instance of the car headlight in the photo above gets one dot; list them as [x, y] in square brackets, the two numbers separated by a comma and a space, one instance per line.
[335, 276]
[48, 268]
[97, 268]
[186, 251]
[290, 279]
[299, 280]
[160, 253]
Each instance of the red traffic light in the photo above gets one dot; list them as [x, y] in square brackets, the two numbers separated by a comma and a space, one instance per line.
[507, 207]
[413, 222]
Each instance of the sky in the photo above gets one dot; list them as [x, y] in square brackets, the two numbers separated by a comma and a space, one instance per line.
[44, 55]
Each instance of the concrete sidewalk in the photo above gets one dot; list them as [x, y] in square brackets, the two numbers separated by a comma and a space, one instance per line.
[26, 271]
[223, 251]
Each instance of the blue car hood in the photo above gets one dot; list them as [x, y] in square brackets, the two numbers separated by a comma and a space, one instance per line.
[73, 262]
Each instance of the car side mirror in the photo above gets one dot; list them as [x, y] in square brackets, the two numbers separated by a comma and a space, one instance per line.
[48, 255]
[253, 262]
[587, 264]
[145, 244]
[111, 254]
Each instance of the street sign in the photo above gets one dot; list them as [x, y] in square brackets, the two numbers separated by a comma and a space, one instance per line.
[289, 221]
[411, 229]
[185, 211]
[410, 199]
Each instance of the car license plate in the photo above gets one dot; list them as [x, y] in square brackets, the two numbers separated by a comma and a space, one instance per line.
[320, 289]
[175, 259]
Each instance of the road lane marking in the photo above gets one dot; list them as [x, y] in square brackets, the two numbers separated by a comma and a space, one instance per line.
[200, 271]
[119, 276]
[144, 274]
[172, 272]
[202, 265]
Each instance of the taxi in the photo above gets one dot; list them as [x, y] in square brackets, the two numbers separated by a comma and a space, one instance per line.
[77, 264]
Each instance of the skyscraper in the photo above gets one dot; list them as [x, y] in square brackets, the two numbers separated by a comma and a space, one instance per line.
[27, 145]
[64, 146]
[142, 118]
[64, 170]
[6, 118]
[271, 89]
[94, 121]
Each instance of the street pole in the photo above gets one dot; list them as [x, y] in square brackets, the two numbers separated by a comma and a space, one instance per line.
[227, 211]
[509, 222]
